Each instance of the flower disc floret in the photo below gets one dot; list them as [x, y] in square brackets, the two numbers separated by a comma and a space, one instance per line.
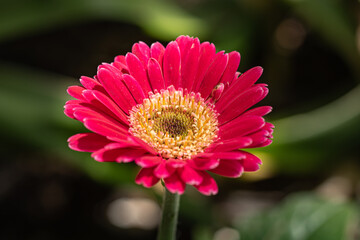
[177, 124]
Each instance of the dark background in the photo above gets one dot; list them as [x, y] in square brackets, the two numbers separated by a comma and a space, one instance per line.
[308, 186]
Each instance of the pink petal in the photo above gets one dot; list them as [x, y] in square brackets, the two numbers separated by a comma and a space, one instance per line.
[184, 43]
[245, 81]
[260, 89]
[144, 145]
[242, 103]
[241, 126]
[189, 64]
[259, 138]
[69, 112]
[87, 142]
[213, 74]
[157, 51]
[129, 155]
[259, 111]
[134, 88]
[208, 186]
[73, 102]
[137, 70]
[207, 54]
[237, 74]
[96, 105]
[163, 170]
[116, 89]
[117, 154]
[267, 142]
[235, 155]
[155, 75]
[231, 144]
[231, 68]
[204, 163]
[120, 59]
[76, 92]
[69, 107]
[103, 128]
[270, 128]
[146, 177]
[217, 91]
[142, 51]
[121, 144]
[111, 106]
[120, 63]
[83, 113]
[229, 168]
[174, 184]
[148, 161]
[251, 162]
[175, 163]
[105, 155]
[190, 175]
[160, 170]
[91, 84]
[122, 154]
[80, 113]
[171, 65]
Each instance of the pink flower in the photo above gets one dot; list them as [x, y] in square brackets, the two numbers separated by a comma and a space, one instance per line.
[179, 112]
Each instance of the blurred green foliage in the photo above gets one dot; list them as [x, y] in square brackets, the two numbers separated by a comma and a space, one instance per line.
[303, 217]
[311, 139]
[157, 17]
[301, 135]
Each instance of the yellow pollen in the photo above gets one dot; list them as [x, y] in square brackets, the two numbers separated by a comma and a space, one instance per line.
[175, 124]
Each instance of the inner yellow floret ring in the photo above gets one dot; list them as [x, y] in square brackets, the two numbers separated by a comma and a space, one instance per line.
[177, 125]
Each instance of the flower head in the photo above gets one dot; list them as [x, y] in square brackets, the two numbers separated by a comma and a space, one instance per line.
[178, 112]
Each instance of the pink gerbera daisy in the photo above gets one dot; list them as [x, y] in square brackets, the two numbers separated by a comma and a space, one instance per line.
[179, 112]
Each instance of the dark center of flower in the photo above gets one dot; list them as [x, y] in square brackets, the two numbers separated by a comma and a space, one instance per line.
[174, 122]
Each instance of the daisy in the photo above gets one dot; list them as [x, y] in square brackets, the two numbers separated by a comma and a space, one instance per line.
[179, 112]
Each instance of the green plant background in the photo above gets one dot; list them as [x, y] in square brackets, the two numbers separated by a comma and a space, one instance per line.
[309, 184]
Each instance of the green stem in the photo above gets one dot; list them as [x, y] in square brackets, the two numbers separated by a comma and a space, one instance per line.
[167, 228]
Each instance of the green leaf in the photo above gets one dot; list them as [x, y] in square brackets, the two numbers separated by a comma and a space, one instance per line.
[303, 217]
